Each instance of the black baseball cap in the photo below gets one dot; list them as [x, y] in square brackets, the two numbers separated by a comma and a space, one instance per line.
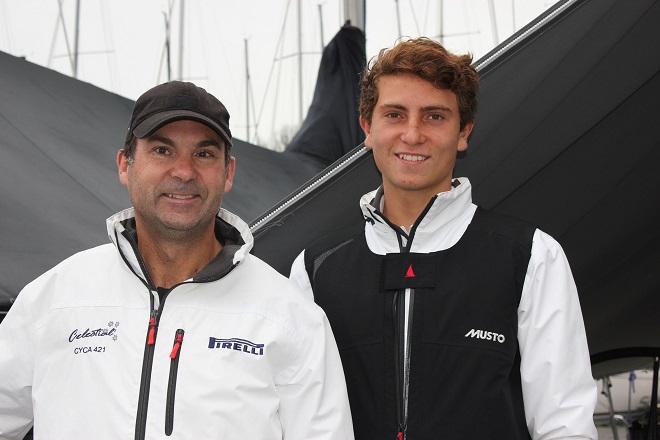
[174, 101]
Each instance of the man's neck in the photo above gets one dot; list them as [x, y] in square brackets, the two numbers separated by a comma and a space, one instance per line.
[403, 208]
[170, 262]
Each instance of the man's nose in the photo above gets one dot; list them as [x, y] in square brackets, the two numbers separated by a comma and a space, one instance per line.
[412, 134]
[183, 168]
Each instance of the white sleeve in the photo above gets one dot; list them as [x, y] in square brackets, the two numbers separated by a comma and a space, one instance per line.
[299, 275]
[16, 366]
[313, 397]
[559, 392]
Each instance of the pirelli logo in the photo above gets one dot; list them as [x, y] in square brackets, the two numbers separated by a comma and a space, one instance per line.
[485, 335]
[242, 345]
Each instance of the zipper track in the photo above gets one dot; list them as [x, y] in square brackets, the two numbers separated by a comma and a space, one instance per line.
[403, 332]
[406, 368]
[541, 21]
[315, 183]
[147, 365]
[145, 380]
[171, 383]
[398, 306]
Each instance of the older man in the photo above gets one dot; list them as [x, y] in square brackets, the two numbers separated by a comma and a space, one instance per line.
[173, 329]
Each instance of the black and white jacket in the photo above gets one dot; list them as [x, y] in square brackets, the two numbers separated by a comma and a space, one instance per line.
[466, 326]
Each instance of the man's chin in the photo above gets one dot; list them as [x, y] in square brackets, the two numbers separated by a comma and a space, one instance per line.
[178, 227]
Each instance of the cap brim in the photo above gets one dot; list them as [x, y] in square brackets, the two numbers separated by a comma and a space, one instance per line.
[154, 122]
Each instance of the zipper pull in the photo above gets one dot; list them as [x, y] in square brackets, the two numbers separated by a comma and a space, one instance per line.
[178, 340]
[151, 338]
[401, 435]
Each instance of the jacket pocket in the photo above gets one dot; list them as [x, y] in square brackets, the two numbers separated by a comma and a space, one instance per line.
[171, 384]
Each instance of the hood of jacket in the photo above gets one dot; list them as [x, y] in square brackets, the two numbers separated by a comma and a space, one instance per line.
[230, 229]
[439, 227]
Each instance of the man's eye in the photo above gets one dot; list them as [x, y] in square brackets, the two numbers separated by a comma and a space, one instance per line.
[162, 150]
[205, 154]
[393, 115]
[436, 117]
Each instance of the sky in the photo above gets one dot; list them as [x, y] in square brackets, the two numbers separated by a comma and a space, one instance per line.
[121, 45]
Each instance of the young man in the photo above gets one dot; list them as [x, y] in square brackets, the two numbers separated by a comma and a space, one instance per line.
[452, 322]
[173, 329]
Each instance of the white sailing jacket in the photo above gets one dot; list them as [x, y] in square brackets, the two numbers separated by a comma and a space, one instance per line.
[559, 392]
[89, 350]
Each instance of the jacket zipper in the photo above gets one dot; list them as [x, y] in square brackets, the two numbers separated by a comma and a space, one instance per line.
[152, 331]
[171, 384]
[147, 364]
[399, 319]
[403, 332]
[402, 358]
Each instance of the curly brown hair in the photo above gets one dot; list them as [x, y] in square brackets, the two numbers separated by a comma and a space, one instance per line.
[430, 61]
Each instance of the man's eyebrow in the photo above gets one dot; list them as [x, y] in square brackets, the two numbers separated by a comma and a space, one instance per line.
[393, 106]
[431, 108]
[428, 108]
[160, 138]
[210, 143]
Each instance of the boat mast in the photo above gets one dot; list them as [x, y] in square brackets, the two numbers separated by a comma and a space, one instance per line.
[182, 5]
[320, 5]
[398, 19]
[441, 34]
[247, 91]
[76, 39]
[60, 19]
[300, 69]
[493, 21]
[354, 13]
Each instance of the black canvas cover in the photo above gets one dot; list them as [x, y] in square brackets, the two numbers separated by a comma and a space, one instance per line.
[58, 178]
[58, 141]
[331, 126]
[565, 138]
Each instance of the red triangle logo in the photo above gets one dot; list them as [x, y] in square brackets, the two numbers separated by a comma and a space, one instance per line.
[410, 273]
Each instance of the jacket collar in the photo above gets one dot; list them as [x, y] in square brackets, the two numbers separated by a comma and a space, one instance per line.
[233, 232]
[445, 219]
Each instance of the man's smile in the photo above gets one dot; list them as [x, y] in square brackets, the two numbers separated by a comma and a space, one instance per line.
[180, 196]
[408, 157]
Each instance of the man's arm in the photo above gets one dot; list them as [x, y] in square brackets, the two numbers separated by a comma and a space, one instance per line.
[16, 357]
[313, 398]
[559, 392]
[299, 275]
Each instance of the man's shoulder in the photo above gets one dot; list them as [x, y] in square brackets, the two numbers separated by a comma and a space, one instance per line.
[280, 298]
[257, 270]
[516, 230]
[83, 259]
[335, 238]
[259, 277]
[62, 281]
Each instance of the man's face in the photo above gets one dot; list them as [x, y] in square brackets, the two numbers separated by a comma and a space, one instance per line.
[414, 134]
[177, 179]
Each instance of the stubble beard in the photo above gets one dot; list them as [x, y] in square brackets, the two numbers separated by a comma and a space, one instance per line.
[180, 231]
[168, 227]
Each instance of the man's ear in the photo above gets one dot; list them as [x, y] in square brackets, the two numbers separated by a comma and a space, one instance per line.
[122, 167]
[229, 174]
[366, 128]
[464, 135]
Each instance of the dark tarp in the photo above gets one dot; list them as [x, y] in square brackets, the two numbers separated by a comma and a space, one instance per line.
[59, 137]
[331, 126]
[565, 138]
[58, 179]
